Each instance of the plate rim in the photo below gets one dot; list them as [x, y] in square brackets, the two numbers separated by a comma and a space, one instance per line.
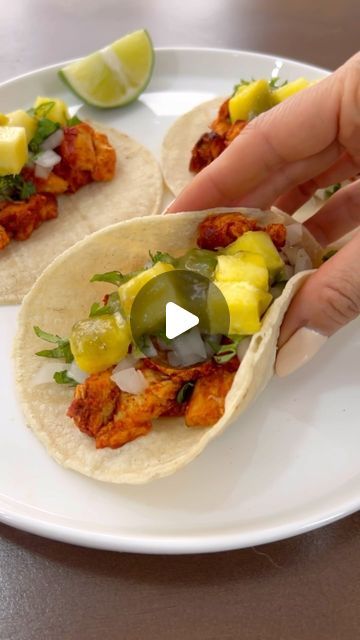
[203, 542]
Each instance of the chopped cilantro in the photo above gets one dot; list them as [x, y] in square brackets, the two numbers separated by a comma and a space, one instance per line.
[112, 306]
[333, 189]
[42, 110]
[15, 188]
[45, 128]
[275, 83]
[227, 351]
[62, 377]
[71, 122]
[185, 392]
[160, 256]
[62, 350]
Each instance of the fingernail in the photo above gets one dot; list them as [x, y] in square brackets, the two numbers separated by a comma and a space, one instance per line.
[299, 349]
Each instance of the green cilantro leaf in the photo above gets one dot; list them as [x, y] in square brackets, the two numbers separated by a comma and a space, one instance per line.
[333, 189]
[185, 392]
[45, 128]
[71, 122]
[42, 110]
[62, 377]
[63, 349]
[113, 277]
[227, 351]
[112, 306]
[275, 83]
[16, 188]
[161, 256]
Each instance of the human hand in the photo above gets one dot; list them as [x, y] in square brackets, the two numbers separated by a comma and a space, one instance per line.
[281, 158]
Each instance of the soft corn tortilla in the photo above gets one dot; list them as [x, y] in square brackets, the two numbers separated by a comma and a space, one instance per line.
[179, 141]
[63, 294]
[136, 190]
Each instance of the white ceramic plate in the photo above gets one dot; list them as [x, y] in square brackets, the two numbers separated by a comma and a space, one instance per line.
[289, 465]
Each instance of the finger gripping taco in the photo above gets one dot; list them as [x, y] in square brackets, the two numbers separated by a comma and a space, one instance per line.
[143, 411]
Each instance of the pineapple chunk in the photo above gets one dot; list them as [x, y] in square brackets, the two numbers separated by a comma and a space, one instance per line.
[289, 89]
[130, 289]
[250, 100]
[246, 305]
[58, 112]
[3, 119]
[20, 118]
[258, 242]
[13, 150]
[243, 267]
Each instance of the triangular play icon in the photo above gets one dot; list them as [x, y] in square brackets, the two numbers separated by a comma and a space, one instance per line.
[178, 320]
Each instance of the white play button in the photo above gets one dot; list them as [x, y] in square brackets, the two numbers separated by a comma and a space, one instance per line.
[178, 320]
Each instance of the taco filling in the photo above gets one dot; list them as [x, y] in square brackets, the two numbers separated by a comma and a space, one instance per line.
[45, 153]
[122, 386]
[248, 100]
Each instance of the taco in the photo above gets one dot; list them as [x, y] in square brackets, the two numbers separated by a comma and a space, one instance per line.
[199, 136]
[61, 179]
[135, 416]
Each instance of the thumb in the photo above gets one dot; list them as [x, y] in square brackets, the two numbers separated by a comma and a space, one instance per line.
[327, 301]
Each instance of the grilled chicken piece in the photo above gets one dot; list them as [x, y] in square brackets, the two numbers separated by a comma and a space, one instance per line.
[207, 148]
[223, 229]
[207, 403]
[4, 238]
[53, 184]
[87, 156]
[20, 219]
[105, 158]
[212, 143]
[95, 402]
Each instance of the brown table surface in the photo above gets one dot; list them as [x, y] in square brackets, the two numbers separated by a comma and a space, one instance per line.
[304, 588]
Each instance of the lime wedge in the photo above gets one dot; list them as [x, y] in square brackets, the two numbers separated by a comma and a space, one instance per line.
[115, 75]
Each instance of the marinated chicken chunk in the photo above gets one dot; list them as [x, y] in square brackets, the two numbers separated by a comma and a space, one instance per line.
[4, 238]
[212, 143]
[223, 229]
[20, 219]
[207, 403]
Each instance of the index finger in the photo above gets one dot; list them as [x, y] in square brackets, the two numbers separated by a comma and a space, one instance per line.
[299, 128]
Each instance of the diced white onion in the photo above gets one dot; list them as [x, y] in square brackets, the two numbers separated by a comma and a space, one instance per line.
[126, 363]
[303, 261]
[288, 271]
[53, 141]
[76, 373]
[290, 253]
[294, 234]
[48, 159]
[130, 380]
[243, 347]
[42, 172]
[187, 349]
[45, 373]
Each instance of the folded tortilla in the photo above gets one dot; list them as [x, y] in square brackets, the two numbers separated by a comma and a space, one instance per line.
[63, 294]
[179, 141]
[135, 190]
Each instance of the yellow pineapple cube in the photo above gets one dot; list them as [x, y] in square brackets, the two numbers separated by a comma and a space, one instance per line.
[129, 290]
[57, 112]
[13, 150]
[3, 119]
[246, 305]
[20, 118]
[243, 267]
[282, 93]
[261, 243]
[250, 100]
